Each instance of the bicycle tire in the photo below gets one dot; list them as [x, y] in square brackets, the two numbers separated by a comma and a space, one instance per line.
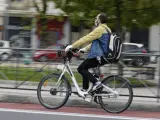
[68, 91]
[108, 79]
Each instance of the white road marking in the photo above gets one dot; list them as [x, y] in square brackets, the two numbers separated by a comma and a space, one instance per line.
[74, 114]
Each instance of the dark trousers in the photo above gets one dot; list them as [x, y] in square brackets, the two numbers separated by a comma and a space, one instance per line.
[83, 70]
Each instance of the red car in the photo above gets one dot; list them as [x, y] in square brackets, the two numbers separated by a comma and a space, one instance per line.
[45, 55]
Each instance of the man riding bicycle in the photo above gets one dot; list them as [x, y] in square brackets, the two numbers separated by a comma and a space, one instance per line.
[96, 54]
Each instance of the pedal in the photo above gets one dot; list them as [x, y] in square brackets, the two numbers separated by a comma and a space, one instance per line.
[96, 100]
[88, 99]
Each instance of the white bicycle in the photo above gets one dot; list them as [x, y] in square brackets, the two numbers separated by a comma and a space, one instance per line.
[115, 95]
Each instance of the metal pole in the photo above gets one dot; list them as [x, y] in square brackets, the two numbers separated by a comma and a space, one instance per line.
[118, 30]
[6, 15]
[158, 93]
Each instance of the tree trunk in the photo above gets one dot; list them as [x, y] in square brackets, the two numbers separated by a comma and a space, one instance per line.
[118, 30]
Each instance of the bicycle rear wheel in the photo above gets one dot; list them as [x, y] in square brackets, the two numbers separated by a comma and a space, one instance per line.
[52, 96]
[119, 103]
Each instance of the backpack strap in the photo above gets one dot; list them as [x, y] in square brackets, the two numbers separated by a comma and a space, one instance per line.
[105, 58]
[107, 29]
[109, 38]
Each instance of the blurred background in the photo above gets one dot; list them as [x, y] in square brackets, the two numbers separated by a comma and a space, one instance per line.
[31, 32]
[28, 23]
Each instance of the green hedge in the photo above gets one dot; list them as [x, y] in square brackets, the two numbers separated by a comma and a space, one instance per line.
[31, 74]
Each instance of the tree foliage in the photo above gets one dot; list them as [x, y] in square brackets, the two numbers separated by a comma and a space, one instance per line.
[129, 13]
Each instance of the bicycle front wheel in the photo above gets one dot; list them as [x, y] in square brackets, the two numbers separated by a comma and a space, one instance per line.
[116, 103]
[52, 95]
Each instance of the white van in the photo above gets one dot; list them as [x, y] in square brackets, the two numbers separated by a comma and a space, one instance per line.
[5, 53]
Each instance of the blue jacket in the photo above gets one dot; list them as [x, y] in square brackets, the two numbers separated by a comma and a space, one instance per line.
[99, 46]
[96, 40]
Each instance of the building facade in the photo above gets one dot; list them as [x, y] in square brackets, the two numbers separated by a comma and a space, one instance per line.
[21, 13]
[11, 27]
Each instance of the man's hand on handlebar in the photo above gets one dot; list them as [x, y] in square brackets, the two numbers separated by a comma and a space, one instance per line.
[69, 47]
[75, 52]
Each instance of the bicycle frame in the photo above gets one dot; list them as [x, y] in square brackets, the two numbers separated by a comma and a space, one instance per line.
[67, 68]
[90, 95]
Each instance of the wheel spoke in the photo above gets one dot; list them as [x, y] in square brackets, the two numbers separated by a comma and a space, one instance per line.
[121, 87]
[50, 95]
[116, 103]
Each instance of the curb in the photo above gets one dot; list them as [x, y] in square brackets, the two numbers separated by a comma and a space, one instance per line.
[137, 104]
[30, 97]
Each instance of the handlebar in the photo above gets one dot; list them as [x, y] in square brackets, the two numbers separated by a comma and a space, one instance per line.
[71, 53]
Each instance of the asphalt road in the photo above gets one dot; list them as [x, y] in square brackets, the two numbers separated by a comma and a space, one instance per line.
[13, 111]
[12, 114]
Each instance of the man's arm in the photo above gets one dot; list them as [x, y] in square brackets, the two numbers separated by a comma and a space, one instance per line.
[95, 34]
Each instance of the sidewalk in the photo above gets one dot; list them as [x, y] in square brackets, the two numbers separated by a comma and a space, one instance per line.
[28, 96]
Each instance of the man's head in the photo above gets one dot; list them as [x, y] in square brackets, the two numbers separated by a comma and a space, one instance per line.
[100, 19]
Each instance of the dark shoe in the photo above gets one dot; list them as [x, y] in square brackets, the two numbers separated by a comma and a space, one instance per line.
[96, 86]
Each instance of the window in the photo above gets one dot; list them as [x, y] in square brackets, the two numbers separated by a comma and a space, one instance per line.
[19, 21]
[129, 47]
[1, 44]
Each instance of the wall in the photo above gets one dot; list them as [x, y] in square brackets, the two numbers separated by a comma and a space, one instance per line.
[66, 30]
[2, 5]
[154, 38]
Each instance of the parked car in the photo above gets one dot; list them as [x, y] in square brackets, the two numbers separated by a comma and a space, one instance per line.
[5, 53]
[135, 48]
[45, 55]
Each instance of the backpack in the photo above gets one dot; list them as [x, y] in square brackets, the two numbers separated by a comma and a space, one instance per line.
[115, 47]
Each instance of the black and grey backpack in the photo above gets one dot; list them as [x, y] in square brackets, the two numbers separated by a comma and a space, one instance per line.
[115, 47]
